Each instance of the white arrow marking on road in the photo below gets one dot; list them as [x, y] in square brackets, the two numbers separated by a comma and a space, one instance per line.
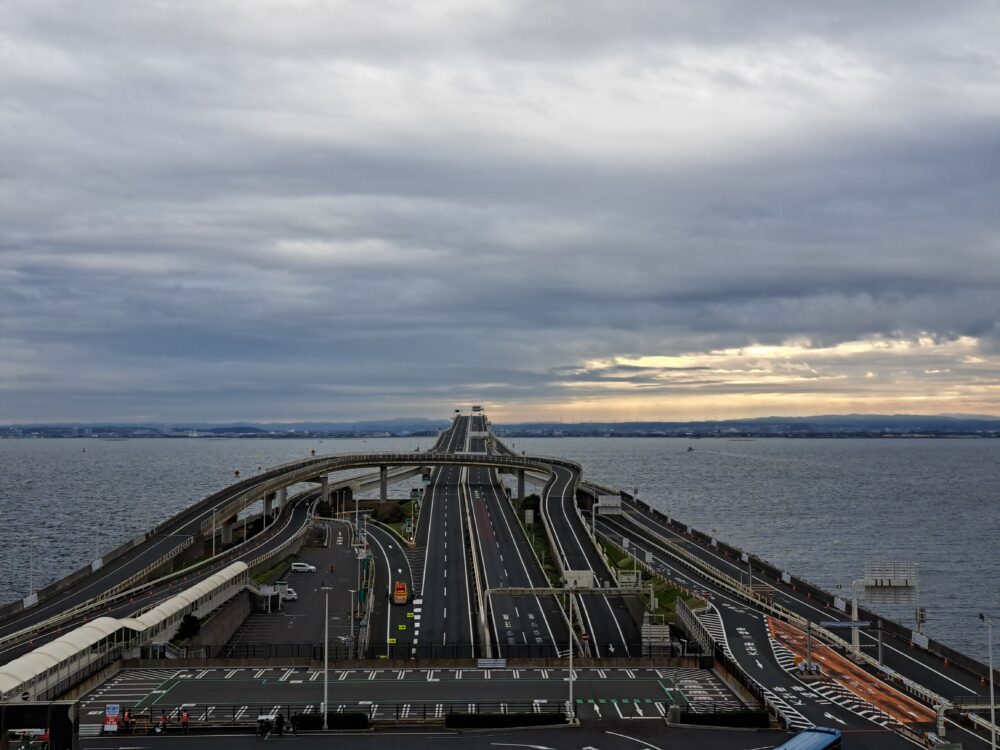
[758, 663]
[831, 716]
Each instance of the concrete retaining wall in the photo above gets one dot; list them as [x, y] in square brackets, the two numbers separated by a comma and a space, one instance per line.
[223, 623]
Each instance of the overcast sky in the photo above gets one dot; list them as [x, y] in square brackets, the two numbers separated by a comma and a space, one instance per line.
[317, 210]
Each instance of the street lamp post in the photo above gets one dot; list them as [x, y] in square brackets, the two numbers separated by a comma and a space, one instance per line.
[571, 709]
[213, 531]
[855, 633]
[350, 653]
[326, 653]
[31, 566]
[989, 645]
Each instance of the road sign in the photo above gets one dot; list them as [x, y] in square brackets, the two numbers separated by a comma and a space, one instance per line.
[585, 637]
[834, 624]
[111, 713]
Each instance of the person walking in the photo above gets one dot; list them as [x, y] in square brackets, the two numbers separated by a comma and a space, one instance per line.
[163, 722]
[185, 721]
[279, 725]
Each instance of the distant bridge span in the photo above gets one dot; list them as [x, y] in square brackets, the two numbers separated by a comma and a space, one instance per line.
[315, 469]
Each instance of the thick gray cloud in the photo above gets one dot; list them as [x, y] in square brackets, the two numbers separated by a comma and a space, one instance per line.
[223, 210]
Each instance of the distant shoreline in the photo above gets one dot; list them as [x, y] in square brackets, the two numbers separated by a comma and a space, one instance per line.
[740, 436]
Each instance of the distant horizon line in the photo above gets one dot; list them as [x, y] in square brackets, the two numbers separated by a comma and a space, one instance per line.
[291, 424]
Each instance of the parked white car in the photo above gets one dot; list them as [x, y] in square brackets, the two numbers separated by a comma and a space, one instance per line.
[290, 595]
[301, 567]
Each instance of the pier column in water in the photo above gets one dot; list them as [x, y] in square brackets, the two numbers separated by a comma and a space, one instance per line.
[383, 483]
[520, 484]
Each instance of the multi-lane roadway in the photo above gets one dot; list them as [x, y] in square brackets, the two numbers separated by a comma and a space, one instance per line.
[863, 705]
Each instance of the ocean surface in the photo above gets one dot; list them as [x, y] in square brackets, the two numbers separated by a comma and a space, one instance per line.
[819, 508]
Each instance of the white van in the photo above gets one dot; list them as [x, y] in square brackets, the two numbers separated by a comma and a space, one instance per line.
[301, 567]
[290, 595]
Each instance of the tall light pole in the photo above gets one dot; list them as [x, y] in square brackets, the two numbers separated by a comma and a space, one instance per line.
[989, 645]
[351, 624]
[31, 565]
[571, 709]
[213, 531]
[326, 652]
[855, 634]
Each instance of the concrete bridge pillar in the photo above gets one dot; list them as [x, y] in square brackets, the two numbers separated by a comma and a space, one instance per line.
[325, 486]
[268, 506]
[520, 484]
[383, 483]
[282, 497]
[227, 530]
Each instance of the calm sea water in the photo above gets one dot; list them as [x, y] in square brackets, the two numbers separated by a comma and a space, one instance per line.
[819, 508]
